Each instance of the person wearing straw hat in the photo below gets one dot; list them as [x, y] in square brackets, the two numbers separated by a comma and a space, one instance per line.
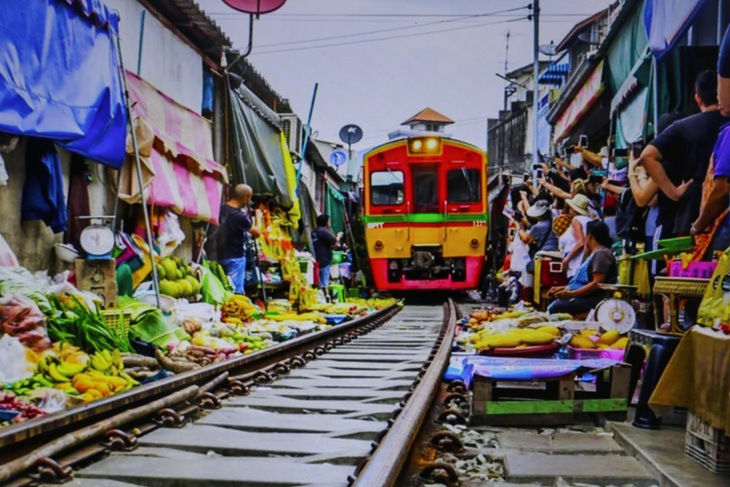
[572, 242]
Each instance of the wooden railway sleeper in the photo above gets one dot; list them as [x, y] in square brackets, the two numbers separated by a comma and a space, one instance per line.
[452, 416]
[118, 440]
[169, 418]
[447, 441]
[47, 470]
[441, 472]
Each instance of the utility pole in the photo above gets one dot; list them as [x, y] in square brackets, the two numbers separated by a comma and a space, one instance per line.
[535, 100]
[506, 70]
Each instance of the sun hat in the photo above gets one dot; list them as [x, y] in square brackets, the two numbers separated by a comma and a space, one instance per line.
[538, 209]
[561, 224]
[580, 203]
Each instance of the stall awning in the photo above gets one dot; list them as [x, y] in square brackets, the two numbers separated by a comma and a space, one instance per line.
[588, 95]
[555, 74]
[335, 208]
[258, 159]
[60, 77]
[176, 146]
[666, 21]
[639, 76]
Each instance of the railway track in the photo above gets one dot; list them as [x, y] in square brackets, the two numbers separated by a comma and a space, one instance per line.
[336, 408]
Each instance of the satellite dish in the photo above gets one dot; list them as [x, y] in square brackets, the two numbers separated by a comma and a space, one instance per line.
[350, 134]
[338, 158]
[548, 49]
[255, 6]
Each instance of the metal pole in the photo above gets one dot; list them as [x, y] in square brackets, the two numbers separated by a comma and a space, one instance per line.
[307, 131]
[141, 41]
[138, 163]
[536, 69]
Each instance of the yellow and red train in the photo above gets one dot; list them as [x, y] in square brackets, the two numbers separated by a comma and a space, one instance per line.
[425, 213]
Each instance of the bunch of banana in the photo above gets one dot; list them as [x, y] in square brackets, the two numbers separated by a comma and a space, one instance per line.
[238, 309]
[104, 377]
[516, 337]
[106, 362]
[52, 370]
[315, 317]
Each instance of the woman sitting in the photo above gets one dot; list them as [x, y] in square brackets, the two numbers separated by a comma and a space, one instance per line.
[582, 293]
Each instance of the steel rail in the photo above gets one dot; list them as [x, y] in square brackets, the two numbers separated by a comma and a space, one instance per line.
[63, 421]
[387, 461]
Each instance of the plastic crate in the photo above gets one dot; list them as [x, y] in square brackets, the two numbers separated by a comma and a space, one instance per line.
[552, 273]
[594, 353]
[117, 320]
[695, 270]
[706, 445]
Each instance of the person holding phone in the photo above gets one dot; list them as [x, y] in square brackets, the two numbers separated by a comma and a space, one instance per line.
[678, 158]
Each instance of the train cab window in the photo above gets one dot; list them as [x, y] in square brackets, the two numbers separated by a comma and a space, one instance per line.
[464, 186]
[425, 190]
[386, 188]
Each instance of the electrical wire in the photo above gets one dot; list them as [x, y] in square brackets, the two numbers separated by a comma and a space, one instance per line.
[380, 31]
[418, 34]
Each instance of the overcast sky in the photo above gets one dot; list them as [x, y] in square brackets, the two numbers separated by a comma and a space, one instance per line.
[415, 53]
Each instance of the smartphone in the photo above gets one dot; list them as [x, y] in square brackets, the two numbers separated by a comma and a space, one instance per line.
[621, 152]
[536, 167]
[539, 174]
[583, 141]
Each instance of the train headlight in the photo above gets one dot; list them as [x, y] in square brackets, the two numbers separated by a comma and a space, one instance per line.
[379, 245]
[424, 145]
[474, 243]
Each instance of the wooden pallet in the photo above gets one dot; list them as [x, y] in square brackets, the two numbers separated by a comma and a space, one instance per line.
[553, 401]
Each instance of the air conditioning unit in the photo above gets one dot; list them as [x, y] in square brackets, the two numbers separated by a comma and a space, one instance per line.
[294, 132]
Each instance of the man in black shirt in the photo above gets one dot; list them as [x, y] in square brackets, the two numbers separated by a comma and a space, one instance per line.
[323, 241]
[688, 144]
[231, 235]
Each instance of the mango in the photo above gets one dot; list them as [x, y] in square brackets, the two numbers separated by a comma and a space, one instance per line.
[538, 338]
[553, 330]
[609, 337]
[620, 343]
[579, 341]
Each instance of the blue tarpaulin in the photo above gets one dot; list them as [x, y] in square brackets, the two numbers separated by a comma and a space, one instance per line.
[666, 21]
[60, 77]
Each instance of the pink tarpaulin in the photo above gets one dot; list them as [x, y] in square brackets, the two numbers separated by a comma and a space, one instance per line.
[176, 147]
[588, 95]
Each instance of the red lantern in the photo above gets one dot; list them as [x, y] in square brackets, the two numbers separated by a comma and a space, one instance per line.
[255, 6]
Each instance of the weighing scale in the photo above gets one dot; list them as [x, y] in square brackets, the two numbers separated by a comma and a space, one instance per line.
[615, 313]
[96, 273]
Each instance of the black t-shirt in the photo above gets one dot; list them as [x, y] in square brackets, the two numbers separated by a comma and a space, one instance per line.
[231, 235]
[323, 241]
[686, 147]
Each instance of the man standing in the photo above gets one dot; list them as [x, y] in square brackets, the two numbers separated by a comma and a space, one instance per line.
[687, 144]
[323, 241]
[231, 235]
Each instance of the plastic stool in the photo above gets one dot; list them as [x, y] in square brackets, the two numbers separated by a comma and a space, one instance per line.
[660, 348]
[338, 290]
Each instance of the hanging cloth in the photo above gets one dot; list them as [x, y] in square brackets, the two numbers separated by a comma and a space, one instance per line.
[43, 196]
[703, 241]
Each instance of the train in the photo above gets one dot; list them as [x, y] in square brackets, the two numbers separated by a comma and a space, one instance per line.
[425, 211]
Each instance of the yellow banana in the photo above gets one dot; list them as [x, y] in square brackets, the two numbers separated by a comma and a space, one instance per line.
[69, 369]
[56, 375]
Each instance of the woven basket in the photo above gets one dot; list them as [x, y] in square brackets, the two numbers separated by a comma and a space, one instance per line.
[117, 320]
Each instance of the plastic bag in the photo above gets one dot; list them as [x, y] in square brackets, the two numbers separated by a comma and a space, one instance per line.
[12, 360]
[170, 235]
[20, 317]
[7, 256]
[212, 289]
[50, 400]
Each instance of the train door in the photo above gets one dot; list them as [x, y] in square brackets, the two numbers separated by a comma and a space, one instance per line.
[425, 188]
